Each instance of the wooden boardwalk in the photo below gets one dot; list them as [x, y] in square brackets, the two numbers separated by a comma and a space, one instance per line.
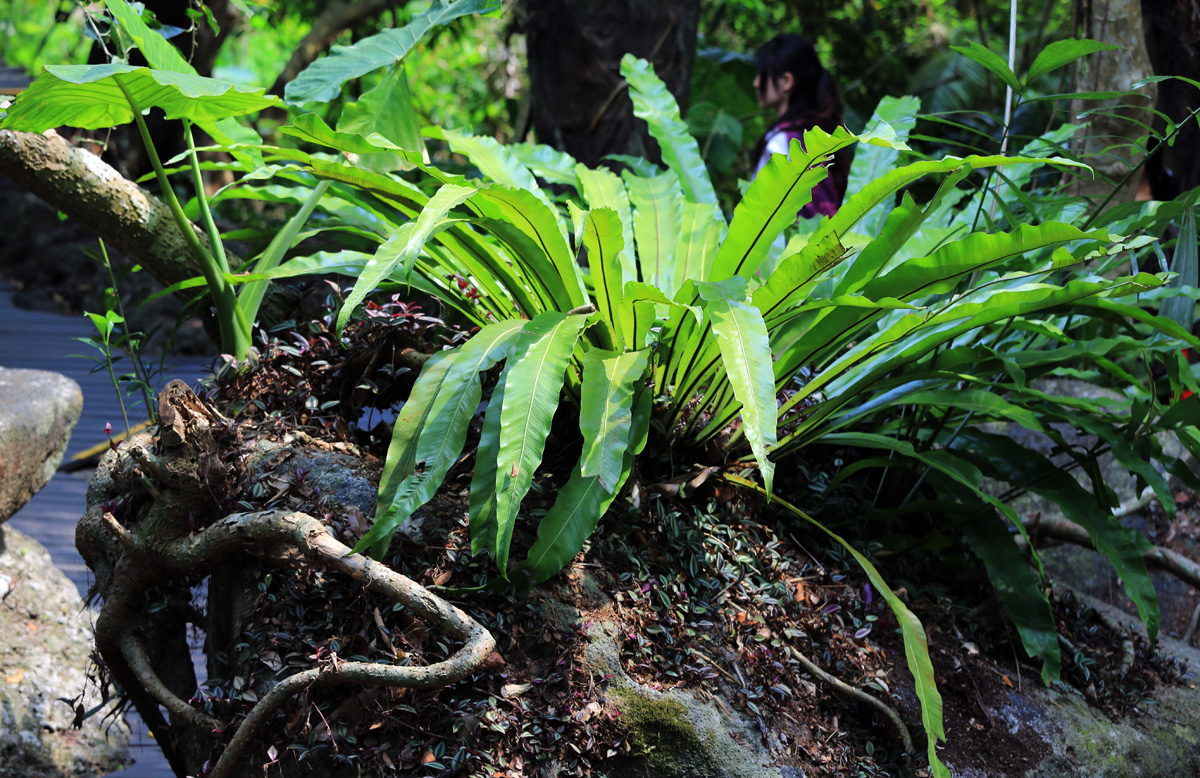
[36, 340]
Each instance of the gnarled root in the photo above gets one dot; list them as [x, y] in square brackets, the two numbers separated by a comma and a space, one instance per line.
[157, 547]
[263, 534]
[1156, 556]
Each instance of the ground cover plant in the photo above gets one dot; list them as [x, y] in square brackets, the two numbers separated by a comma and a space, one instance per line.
[623, 316]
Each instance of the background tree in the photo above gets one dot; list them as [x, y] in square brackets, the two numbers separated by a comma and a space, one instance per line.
[1172, 30]
[579, 100]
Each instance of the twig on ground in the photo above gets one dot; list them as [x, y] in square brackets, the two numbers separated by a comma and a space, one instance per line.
[858, 694]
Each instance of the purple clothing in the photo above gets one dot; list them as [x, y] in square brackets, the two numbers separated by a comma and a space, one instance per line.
[825, 198]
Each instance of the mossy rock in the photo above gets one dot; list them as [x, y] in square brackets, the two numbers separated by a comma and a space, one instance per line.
[665, 738]
[674, 734]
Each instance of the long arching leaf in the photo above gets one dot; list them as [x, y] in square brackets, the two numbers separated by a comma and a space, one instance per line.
[653, 103]
[746, 354]
[547, 163]
[322, 80]
[401, 460]
[483, 480]
[402, 248]
[1017, 586]
[602, 236]
[606, 411]
[579, 507]
[512, 213]
[1124, 547]
[604, 189]
[532, 389]
[861, 202]
[445, 428]
[1064, 52]
[702, 228]
[499, 164]
[916, 644]
[771, 203]
[657, 224]
[872, 162]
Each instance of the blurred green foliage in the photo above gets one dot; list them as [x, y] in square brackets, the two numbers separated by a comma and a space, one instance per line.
[35, 33]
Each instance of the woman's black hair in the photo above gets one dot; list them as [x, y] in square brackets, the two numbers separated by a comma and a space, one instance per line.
[813, 100]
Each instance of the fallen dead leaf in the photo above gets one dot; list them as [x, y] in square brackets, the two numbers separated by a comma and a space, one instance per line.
[16, 677]
[514, 689]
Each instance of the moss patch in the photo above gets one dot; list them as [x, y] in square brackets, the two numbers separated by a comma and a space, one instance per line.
[663, 734]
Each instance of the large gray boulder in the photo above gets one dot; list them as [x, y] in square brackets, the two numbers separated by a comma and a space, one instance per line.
[45, 645]
[38, 412]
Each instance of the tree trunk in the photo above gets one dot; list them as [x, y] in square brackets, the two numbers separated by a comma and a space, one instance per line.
[88, 190]
[112, 207]
[580, 104]
[1114, 126]
[1172, 31]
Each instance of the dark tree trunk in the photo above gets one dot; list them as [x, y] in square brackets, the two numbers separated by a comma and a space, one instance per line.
[1111, 138]
[580, 104]
[1173, 41]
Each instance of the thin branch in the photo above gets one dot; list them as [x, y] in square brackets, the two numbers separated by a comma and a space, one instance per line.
[858, 694]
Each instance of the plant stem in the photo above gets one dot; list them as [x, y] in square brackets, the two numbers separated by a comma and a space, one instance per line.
[210, 226]
[234, 339]
[108, 363]
[139, 369]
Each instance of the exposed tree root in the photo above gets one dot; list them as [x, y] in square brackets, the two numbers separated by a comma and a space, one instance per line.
[1163, 558]
[179, 480]
[858, 694]
[1191, 630]
[272, 535]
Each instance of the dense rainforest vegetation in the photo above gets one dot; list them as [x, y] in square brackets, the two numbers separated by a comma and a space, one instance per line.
[522, 234]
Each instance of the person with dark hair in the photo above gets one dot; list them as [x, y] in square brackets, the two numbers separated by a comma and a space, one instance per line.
[792, 80]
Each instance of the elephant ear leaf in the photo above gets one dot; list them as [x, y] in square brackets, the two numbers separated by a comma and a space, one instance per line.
[160, 54]
[94, 97]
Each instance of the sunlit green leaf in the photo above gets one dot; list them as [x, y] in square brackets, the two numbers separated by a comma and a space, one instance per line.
[89, 97]
[322, 80]
[653, 103]
[532, 391]
[606, 411]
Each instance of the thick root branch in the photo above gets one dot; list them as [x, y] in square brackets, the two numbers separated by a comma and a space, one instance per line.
[177, 476]
[1163, 558]
[141, 666]
[260, 533]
